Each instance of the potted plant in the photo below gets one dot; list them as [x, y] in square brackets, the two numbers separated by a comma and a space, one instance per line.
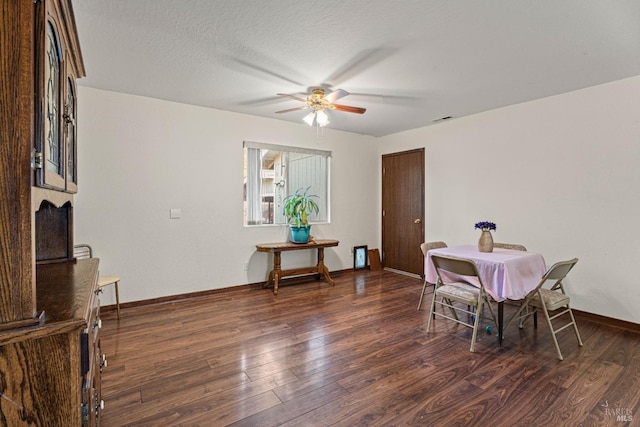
[297, 208]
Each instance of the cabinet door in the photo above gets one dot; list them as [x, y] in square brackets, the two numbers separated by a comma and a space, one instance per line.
[49, 142]
[70, 141]
[58, 64]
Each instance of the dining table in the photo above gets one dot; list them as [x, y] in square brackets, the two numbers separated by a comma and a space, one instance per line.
[507, 274]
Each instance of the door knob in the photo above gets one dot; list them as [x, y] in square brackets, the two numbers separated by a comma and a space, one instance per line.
[417, 221]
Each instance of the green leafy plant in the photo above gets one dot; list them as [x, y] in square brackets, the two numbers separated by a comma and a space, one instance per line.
[298, 206]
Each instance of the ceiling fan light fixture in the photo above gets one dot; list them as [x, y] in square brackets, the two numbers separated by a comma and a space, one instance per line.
[322, 118]
[319, 104]
[308, 119]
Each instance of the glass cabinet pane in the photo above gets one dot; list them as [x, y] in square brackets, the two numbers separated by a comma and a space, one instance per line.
[52, 145]
[70, 135]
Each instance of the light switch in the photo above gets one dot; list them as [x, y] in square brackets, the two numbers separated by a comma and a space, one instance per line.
[175, 213]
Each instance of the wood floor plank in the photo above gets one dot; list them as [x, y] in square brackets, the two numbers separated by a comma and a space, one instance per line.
[205, 412]
[357, 354]
[581, 396]
[293, 408]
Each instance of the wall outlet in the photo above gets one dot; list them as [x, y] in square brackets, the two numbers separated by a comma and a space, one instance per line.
[246, 266]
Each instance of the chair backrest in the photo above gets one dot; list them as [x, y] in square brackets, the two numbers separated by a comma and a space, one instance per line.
[557, 272]
[459, 266]
[82, 251]
[427, 246]
[513, 246]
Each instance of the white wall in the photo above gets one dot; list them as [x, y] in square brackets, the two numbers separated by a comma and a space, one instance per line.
[140, 157]
[560, 175]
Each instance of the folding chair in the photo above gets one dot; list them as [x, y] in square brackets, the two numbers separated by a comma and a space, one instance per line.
[514, 246]
[426, 247]
[451, 291]
[549, 300]
[83, 251]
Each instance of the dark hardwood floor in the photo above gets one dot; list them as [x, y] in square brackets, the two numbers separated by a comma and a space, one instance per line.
[356, 354]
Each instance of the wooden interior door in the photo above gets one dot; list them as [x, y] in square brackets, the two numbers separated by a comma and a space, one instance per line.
[403, 211]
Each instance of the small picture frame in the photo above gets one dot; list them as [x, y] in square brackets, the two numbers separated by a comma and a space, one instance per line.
[360, 255]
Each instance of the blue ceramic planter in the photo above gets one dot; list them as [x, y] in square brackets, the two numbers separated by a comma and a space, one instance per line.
[300, 234]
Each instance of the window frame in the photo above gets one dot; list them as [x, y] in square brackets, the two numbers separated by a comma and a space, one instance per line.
[283, 181]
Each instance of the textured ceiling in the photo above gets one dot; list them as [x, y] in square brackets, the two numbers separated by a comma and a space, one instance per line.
[407, 62]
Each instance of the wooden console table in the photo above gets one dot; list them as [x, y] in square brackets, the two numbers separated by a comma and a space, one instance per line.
[277, 248]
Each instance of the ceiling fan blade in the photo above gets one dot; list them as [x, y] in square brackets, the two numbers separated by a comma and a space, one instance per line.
[364, 60]
[304, 107]
[292, 97]
[349, 109]
[335, 95]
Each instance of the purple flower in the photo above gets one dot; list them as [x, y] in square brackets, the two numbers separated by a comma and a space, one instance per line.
[486, 226]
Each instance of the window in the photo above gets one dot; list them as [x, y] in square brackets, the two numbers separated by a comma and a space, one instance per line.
[272, 172]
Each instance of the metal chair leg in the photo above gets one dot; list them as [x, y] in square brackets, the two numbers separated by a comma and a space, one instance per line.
[424, 288]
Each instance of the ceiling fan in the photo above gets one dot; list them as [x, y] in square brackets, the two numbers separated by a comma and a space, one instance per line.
[319, 102]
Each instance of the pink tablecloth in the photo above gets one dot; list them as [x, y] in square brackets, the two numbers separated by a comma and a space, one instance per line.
[506, 274]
